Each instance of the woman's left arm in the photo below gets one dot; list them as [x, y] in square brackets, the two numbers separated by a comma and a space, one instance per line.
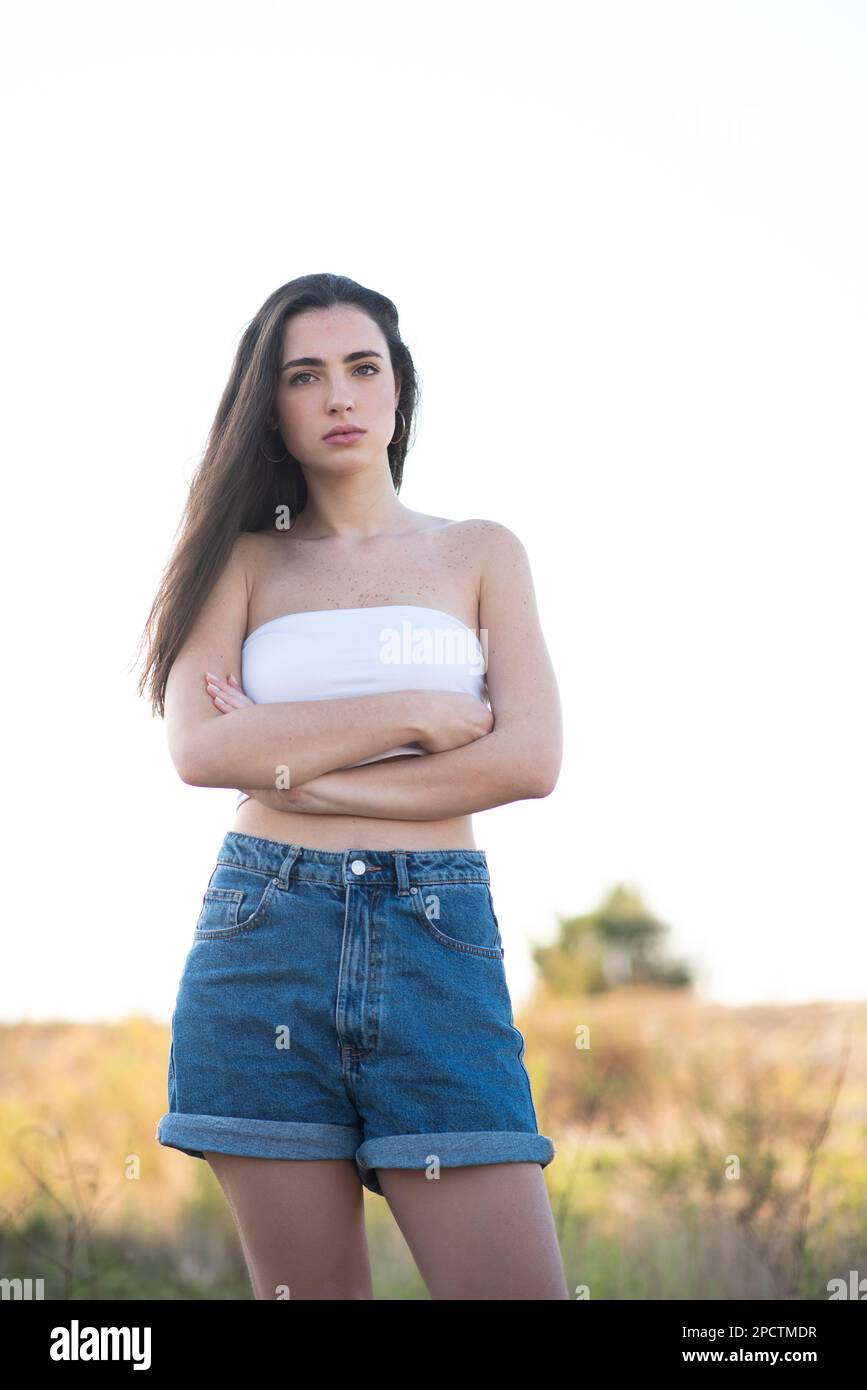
[519, 758]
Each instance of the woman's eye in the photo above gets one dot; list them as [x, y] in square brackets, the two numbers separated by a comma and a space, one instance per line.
[369, 365]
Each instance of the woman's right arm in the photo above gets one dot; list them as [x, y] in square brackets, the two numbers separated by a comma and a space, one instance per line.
[286, 743]
[270, 745]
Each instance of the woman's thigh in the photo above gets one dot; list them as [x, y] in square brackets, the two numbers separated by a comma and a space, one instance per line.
[301, 1223]
[483, 1231]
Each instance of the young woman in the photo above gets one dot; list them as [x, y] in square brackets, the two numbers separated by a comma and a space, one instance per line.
[343, 1018]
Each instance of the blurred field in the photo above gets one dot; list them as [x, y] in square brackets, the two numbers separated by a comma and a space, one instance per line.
[702, 1152]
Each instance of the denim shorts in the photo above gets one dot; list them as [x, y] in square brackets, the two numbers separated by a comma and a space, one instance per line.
[349, 1004]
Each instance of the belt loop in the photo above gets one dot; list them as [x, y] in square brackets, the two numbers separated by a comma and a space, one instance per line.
[286, 867]
[402, 875]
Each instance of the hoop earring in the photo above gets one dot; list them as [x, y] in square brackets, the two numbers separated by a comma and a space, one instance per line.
[265, 456]
[400, 436]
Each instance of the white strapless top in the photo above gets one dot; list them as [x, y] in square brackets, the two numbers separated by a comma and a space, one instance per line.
[337, 653]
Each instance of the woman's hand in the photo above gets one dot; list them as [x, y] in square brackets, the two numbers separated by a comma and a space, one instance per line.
[226, 695]
[452, 719]
[288, 799]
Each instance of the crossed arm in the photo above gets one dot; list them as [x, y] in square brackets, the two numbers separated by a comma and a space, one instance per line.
[519, 758]
[488, 772]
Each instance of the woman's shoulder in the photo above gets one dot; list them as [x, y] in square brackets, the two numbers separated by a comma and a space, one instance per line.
[484, 532]
[474, 525]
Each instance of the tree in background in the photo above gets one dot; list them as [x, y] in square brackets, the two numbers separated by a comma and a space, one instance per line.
[620, 943]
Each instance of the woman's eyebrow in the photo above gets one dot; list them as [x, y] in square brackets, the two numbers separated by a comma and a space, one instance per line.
[318, 362]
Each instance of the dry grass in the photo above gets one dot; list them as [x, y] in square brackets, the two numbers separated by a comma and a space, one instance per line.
[702, 1151]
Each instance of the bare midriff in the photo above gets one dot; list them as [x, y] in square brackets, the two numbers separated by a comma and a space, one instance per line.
[353, 832]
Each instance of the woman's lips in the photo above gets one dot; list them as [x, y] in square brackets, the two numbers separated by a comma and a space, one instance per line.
[346, 438]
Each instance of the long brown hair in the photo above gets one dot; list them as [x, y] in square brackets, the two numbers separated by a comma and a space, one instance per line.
[235, 487]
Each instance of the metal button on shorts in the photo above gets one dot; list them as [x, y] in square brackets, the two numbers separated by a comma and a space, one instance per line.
[349, 1004]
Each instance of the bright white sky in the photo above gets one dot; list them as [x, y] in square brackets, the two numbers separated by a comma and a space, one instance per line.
[626, 242]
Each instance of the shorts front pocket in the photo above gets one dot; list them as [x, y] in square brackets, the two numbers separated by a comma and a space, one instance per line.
[459, 916]
[236, 901]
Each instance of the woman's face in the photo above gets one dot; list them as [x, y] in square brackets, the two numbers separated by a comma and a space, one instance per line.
[314, 396]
